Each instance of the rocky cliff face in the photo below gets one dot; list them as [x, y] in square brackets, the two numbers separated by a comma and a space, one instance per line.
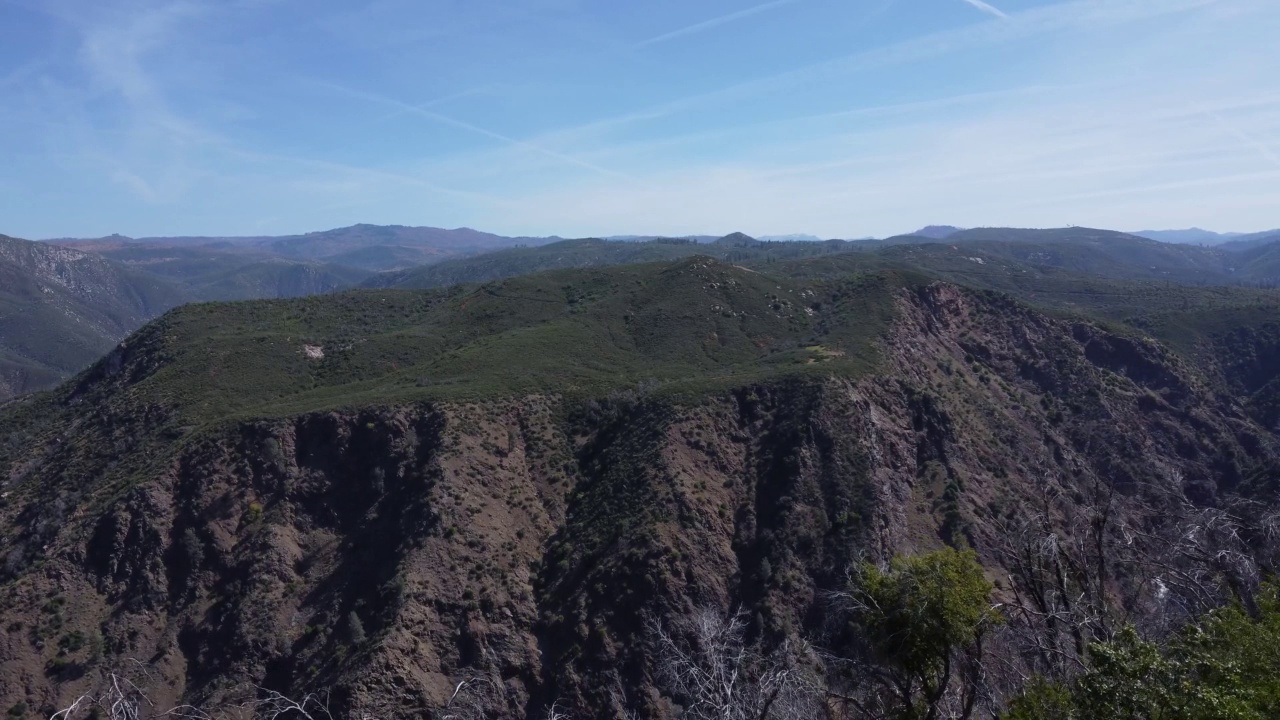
[387, 553]
[60, 309]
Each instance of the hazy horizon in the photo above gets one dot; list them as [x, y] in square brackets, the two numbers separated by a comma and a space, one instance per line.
[800, 236]
[586, 118]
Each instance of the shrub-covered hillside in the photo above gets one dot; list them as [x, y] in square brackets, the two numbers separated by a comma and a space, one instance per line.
[603, 492]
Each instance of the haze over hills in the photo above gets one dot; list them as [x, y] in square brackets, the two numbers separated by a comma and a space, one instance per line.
[936, 232]
[61, 309]
[188, 269]
[1249, 242]
[1197, 236]
[223, 271]
[735, 247]
[794, 237]
[431, 243]
[364, 246]
[1190, 236]
[68, 301]
[1084, 251]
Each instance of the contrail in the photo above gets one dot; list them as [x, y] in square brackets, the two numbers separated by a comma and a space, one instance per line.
[717, 22]
[988, 8]
[446, 120]
[1263, 148]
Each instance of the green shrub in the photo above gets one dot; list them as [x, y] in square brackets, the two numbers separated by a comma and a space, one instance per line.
[1225, 666]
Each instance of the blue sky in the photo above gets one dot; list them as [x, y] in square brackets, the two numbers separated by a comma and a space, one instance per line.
[841, 118]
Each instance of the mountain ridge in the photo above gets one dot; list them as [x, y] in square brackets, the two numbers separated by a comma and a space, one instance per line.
[358, 245]
[197, 270]
[1197, 236]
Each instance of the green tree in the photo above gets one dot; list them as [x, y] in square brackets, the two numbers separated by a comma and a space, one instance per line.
[918, 627]
[1042, 700]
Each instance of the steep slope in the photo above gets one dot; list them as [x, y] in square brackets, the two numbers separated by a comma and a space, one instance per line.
[220, 271]
[381, 258]
[1238, 344]
[61, 309]
[1258, 265]
[381, 494]
[275, 278]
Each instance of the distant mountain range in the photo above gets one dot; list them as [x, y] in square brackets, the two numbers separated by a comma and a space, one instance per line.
[797, 237]
[368, 247]
[1190, 236]
[65, 302]
[793, 237]
[1198, 236]
[990, 252]
[937, 232]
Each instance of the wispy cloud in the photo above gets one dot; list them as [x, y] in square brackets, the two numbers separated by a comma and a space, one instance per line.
[1263, 148]
[1171, 119]
[1114, 154]
[819, 123]
[349, 173]
[479, 91]
[137, 185]
[147, 146]
[158, 153]
[1068, 16]
[115, 51]
[988, 8]
[1190, 184]
[715, 22]
[469, 127]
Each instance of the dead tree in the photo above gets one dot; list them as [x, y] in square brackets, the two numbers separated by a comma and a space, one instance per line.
[1205, 557]
[707, 663]
[119, 698]
[1064, 563]
[472, 699]
[1080, 570]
